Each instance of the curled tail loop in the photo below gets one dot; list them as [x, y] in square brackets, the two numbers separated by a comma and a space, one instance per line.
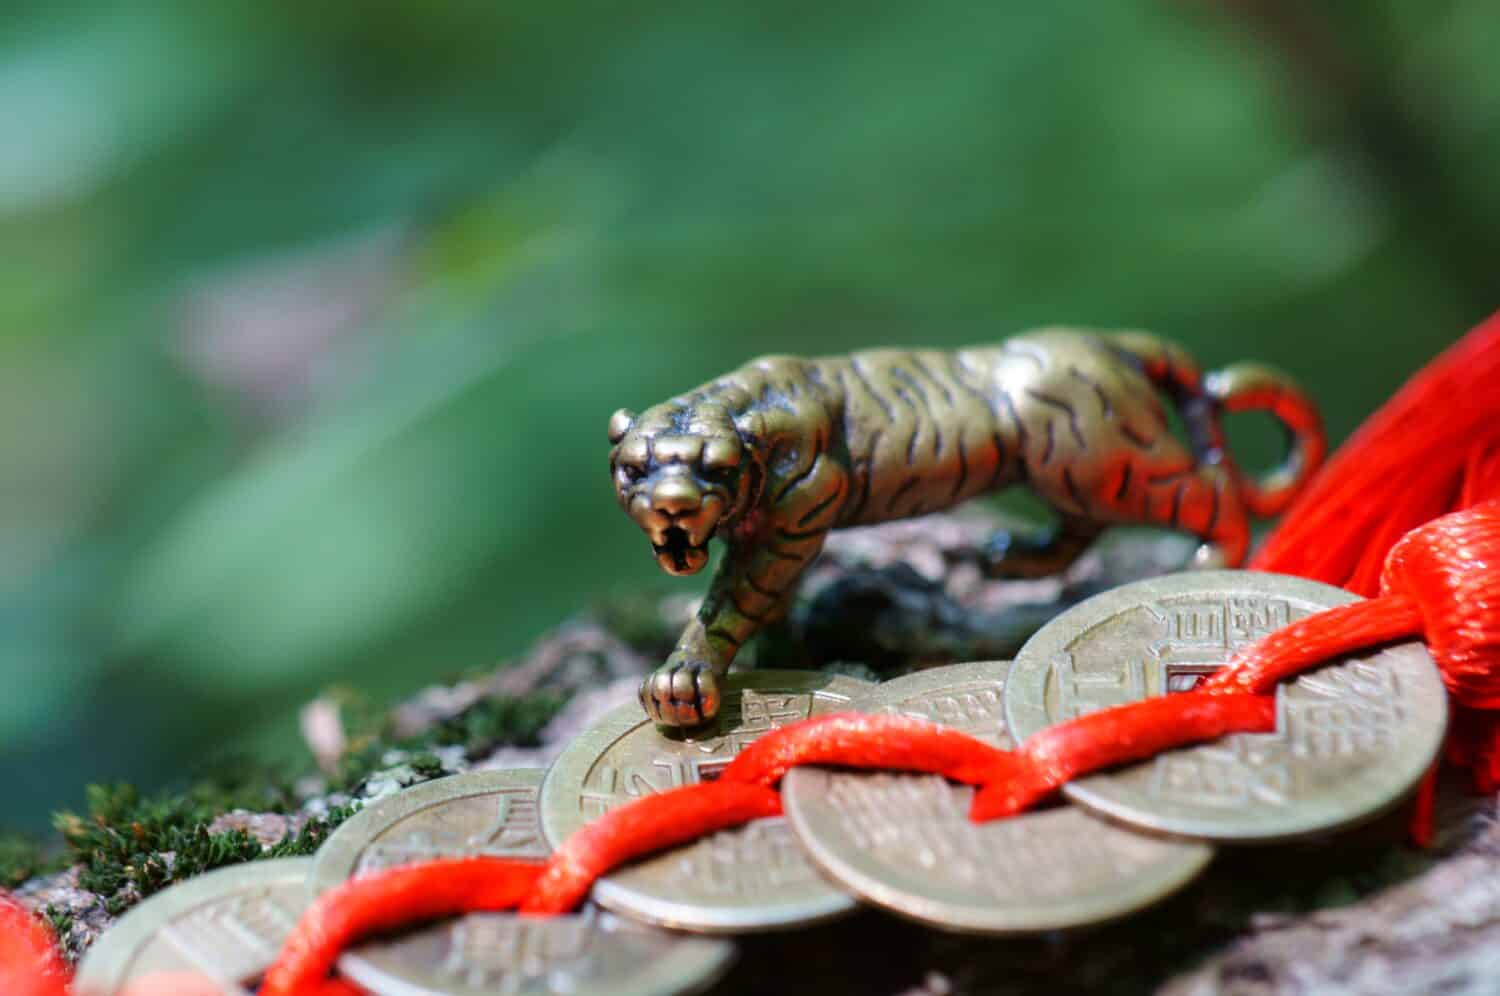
[1251, 387]
[1240, 387]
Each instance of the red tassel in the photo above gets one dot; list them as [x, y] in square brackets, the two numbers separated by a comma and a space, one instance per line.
[1423, 818]
[1433, 448]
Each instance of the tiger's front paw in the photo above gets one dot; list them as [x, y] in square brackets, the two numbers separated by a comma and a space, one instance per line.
[682, 692]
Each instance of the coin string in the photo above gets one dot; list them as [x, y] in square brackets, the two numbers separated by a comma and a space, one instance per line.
[1441, 581]
[1430, 590]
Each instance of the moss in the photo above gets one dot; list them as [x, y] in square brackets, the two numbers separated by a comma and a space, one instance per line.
[22, 858]
[491, 722]
[479, 729]
[124, 842]
[426, 764]
[307, 841]
[130, 846]
[241, 782]
[60, 920]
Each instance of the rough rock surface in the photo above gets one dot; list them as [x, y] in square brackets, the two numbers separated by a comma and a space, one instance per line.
[1360, 913]
[87, 916]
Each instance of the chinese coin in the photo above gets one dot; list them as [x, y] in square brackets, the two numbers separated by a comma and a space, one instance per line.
[1352, 737]
[905, 842]
[228, 924]
[495, 813]
[753, 877]
[475, 813]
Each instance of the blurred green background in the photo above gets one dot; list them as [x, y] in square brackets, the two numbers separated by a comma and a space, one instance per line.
[314, 312]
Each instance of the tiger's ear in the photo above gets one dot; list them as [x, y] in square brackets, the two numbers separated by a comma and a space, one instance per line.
[620, 423]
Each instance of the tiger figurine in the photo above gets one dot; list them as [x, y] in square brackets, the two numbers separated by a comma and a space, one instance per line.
[770, 457]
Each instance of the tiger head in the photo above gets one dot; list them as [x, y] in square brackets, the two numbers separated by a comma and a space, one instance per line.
[682, 472]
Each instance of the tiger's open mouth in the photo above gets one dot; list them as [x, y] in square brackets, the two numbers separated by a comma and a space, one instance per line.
[678, 554]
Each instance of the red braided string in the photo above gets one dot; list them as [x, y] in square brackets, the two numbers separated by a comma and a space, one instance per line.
[386, 900]
[856, 740]
[1451, 569]
[1258, 668]
[652, 823]
[1052, 757]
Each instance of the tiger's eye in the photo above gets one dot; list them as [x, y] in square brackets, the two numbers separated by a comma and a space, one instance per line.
[634, 452]
[721, 454]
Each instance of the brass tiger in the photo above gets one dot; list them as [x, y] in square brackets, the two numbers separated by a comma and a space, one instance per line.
[772, 456]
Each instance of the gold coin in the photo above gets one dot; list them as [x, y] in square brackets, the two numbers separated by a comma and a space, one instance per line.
[749, 878]
[1352, 738]
[475, 813]
[227, 924]
[905, 842]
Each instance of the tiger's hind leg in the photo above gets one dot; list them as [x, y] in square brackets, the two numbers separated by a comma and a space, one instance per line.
[1202, 500]
[1011, 555]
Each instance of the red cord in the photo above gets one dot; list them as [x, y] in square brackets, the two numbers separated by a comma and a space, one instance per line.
[30, 963]
[1052, 757]
[857, 740]
[1451, 569]
[648, 824]
[1258, 668]
[386, 900]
